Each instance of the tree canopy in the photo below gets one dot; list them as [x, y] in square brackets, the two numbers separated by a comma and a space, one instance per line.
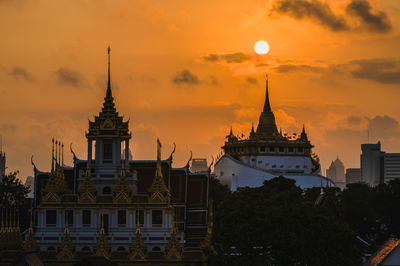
[276, 224]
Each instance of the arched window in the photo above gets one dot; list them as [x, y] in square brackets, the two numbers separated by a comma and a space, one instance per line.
[106, 190]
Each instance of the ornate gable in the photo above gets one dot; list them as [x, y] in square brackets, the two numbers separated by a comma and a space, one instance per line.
[87, 191]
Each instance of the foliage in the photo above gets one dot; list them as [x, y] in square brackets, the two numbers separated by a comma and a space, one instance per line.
[372, 212]
[13, 194]
[276, 224]
[218, 192]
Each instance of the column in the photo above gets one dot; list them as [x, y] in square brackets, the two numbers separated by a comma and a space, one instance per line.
[90, 147]
[127, 154]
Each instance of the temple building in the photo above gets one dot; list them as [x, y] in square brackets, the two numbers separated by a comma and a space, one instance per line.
[112, 206]
[266, 154]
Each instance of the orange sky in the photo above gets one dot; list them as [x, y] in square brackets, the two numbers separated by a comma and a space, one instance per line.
[185, 71]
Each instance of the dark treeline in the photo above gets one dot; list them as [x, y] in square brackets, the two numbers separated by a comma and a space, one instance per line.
[281, 224]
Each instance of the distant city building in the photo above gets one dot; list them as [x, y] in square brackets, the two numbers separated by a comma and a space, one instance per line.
[378, 166]
[335, 172]
[266, 154]
[353, 175]
[199, 165]
[29, 182]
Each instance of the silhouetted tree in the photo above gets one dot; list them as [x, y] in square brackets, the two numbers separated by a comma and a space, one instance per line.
[218, 192]
[13, 194]
[275, 224]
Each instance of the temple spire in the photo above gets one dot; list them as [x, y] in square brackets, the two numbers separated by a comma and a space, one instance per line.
[109, 93]
[267, 106]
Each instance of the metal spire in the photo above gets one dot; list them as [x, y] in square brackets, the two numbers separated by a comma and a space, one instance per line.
[109, 94]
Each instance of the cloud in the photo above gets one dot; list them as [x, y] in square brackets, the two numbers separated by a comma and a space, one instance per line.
[378, 22]
[314, 10]
[383, 127]
[285, 68]
[385, 71]
[227, 58]
[185, 78]
[69, 77]
[21, 73]
[252, 80]
[321, 13]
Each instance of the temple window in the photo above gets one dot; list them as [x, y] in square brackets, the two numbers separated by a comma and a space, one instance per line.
[121, 217]
[121, 248]
[156, 249]
[156, 218]
[300, 149]
[273, 166]
[290, 149]
[262, 149]
[297, 166]
[272, 149]
[106, 190]
[107, 151]
[51, 217]
[86, 248]
[70, 215]
[281, 149]
[86, 217]
[221, 173]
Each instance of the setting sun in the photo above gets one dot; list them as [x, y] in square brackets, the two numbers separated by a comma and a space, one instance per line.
[261, 47]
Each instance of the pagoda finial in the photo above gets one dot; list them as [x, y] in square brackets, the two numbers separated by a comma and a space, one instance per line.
[52, 155]
[267, 106]
[252, 127]
[109, 74]
[303, 135]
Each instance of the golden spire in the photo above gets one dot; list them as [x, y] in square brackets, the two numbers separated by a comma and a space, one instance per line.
[122, 191]
[87, 190]
[159, 193]
[206, 245]
[56, 184]
[102, 247]
[138, 247]
[66, 247]
[173, 249]
[30, 242]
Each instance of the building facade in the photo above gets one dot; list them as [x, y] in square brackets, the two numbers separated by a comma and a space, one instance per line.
[353, 175]
[378, 166]
[109, 204]
[266, 154]
[335, 172]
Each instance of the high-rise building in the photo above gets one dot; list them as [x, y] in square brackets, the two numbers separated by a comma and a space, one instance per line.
[378, 166]
[199, 165]
[335, 172]
[353, 175]
[268, 153]
[371, 164]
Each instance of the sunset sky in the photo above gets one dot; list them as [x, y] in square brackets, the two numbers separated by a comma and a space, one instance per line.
[185, 71]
